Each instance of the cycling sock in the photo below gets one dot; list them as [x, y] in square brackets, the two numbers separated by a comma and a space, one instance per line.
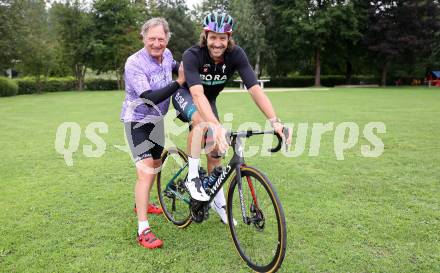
[193, 168]
[142, 225]
[219, 199]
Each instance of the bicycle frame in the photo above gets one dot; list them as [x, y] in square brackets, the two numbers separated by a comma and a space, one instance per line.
[235, 164]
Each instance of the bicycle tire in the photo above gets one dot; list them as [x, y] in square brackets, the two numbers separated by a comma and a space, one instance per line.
[261, 260]
[168, 198]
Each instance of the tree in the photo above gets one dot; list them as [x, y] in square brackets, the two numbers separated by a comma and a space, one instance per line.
[35, 46]
[117, 36]
[74, 29]
[313, 25]
[25, 37]
[350, 48]
[207, 6]
[8, 33]
[429, 54]
[250, 30]
[401, 32]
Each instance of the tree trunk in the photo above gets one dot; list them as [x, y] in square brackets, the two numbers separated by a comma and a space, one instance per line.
[348, 71]
[38, 84]
[383, 81]
[80, 71]
[81, 79]
[120, 78]
[318, 67]
[257, 65]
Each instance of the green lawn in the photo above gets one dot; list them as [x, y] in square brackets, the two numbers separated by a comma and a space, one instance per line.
[354, 215]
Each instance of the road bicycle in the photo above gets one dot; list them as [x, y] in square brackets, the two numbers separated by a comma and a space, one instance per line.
[260, 233]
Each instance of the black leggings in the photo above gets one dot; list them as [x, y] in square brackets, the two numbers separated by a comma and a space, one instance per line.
[185, 107]
[146, 140]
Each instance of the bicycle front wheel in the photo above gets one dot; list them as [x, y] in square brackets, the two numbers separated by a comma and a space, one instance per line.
[173, 197]
[260, 233]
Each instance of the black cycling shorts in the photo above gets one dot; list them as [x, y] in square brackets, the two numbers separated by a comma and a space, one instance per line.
[146, 140]
[185, 107]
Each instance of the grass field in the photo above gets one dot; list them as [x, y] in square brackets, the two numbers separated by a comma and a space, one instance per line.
[354, 215]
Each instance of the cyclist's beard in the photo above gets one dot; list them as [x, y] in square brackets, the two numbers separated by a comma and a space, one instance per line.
[216, 52]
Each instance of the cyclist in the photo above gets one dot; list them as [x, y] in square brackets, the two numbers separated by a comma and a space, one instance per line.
[148, 86]
[207, 67]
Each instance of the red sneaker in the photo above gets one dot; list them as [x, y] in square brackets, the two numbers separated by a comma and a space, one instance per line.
[151, 209]
[154, 209]
[148, 240]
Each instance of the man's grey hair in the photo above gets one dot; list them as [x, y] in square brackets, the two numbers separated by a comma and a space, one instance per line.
[156, 21]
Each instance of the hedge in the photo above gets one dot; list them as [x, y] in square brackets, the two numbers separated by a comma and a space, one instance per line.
[8, 87]
[30, 85]
[307, 81]
[100, 84]
[326, 80]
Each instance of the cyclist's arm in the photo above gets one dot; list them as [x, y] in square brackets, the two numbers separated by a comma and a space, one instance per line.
[262, 101]
[250, 80]
[202, 104]
[257, 94]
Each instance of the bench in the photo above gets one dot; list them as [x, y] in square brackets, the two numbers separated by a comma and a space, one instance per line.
[260, 82]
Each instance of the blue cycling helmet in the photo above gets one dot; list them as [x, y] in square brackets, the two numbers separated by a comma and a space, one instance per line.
[218, 22]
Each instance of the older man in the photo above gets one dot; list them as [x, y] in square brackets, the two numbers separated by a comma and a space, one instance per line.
[148, 86]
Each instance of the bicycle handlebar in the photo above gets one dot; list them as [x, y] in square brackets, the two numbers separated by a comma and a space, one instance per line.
[250, 133]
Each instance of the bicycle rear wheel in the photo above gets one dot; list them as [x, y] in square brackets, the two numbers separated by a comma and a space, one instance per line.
[260, 237]
[173, 197]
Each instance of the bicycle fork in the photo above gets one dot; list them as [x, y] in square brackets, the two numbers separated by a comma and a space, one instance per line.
[246, 219]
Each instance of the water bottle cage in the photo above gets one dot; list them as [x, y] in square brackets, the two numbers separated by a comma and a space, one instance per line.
[210, 180]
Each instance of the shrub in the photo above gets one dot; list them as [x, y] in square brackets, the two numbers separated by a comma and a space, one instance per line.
[26, 86]
[31, 86]
[59, 84]
[8, 87]
[326, 80]
[100, 84]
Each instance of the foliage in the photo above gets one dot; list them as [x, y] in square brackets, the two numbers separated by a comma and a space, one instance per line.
[312, 26]
[207, 6]
[74, 26]
[183, 29]
[250, 30]
[36, 46]
[8, 87]
[101, 84]
[117, 35]
[401, 32]
[9, 35]
[326, 80]
[30, 85]
[387, 38]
